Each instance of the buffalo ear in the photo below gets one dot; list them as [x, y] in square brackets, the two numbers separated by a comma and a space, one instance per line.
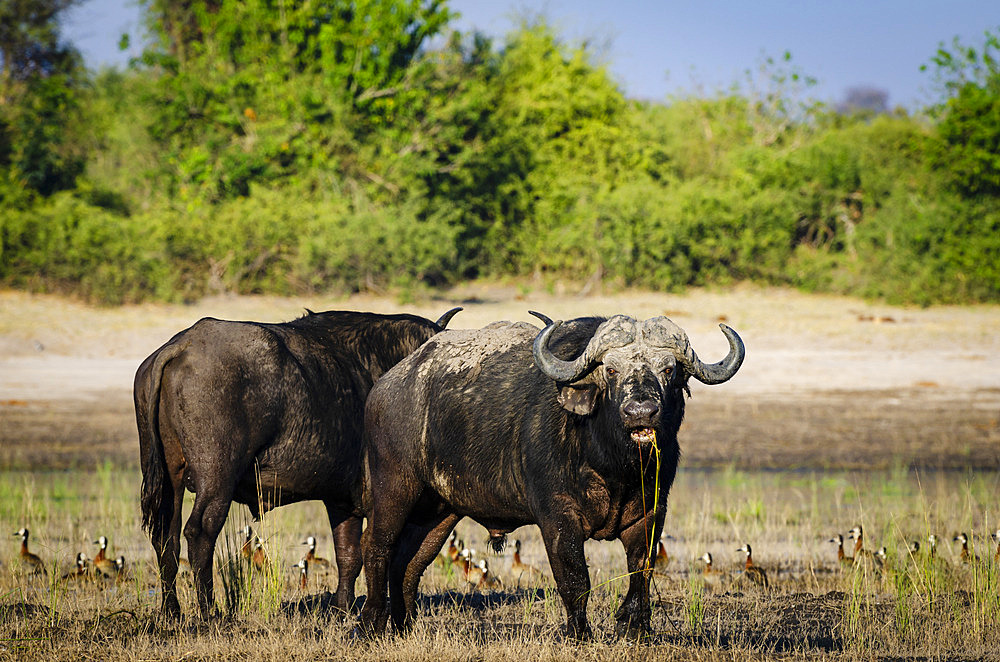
[578, 399]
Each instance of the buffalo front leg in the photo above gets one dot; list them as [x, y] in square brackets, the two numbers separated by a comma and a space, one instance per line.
[633, 614]
[564, 544]
[347, 547]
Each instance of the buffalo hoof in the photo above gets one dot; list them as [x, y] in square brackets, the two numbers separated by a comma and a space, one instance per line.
[578, 632]
[632, 631]
[360, 634]
[171, 610]
[365, 630]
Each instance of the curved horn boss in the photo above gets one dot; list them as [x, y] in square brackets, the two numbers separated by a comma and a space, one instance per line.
[662, 332]
[618, 331]
[621, 330]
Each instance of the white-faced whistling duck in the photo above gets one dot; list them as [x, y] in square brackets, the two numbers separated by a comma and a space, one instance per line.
[458, 561]
[80, 570]
[315, 561]
[120, 569]
[661, 559]
[710, 574]
[750, 571]
[996, 556]
[932, 546]
[259, 559]
[102, 564]
[488, 580]
[449, 553]
[882, 558]
[860, 553]
[522, 570]
[303, 566]
[966, 556]
[843, 559]
[467, 563]
[102, 542]
[247, 548]
[475, 574]
[914, 555]
[31, 561]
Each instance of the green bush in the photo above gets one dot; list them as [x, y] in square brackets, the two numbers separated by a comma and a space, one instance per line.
[64, 244]
[931, 251]
[252, 152]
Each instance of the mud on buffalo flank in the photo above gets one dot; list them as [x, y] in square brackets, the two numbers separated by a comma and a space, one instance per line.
[493, 425]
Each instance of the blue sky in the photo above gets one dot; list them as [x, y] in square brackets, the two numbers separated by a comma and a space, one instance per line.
[657, 49]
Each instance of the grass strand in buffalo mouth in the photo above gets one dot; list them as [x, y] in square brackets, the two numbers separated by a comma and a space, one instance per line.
[656, 498]
[656, 503]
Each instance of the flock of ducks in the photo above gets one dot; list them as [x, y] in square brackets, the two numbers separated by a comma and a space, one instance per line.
[101, 567]
[456, 558]
[461, 560]
[879, 559]
[752, 573]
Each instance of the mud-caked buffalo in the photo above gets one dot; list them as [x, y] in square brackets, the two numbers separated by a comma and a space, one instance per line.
[265, 415]
[512, 426]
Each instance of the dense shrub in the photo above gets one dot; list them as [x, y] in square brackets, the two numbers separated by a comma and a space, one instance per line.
[253, 152]
[63, 244]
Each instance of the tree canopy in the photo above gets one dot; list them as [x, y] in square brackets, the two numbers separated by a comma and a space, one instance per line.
[266, 146]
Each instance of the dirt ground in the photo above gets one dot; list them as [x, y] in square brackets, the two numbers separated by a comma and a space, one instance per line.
[828, 382]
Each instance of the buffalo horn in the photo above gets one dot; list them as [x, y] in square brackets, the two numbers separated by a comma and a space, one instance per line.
[546, 320]
[716, 373]
[555, 368]
[442, 321]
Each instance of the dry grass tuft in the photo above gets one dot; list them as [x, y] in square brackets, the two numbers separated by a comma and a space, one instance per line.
[916, 606]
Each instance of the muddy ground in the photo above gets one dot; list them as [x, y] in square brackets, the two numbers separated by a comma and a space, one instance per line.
[829, 382]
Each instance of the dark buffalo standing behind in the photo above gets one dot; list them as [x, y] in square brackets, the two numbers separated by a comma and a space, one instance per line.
[494, 425]
[233, 410]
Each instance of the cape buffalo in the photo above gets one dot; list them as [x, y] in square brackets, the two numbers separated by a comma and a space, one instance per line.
[510, 426]
[265, 415]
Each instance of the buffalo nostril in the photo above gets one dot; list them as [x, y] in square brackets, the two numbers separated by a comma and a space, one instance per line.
[642, 410]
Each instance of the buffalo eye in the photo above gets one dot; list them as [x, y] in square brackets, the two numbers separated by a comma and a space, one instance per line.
[611, 372]
[668, 371]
